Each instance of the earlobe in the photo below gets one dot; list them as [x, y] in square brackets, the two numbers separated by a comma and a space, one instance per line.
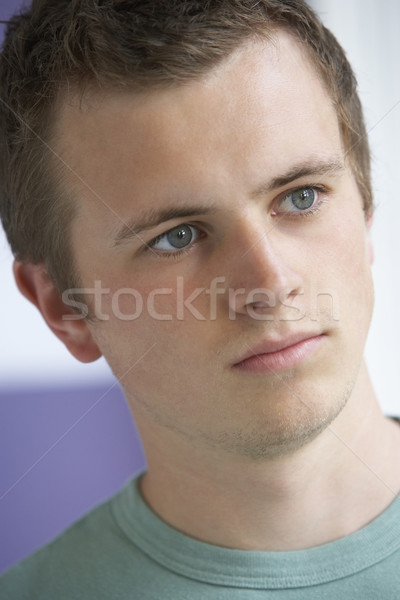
[35, 284]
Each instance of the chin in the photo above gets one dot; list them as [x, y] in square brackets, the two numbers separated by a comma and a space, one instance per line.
[282, 433]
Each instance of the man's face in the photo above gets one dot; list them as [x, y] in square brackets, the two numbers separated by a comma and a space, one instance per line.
[247, 170]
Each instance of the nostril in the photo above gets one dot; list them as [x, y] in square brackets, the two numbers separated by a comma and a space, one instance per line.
[260, 305]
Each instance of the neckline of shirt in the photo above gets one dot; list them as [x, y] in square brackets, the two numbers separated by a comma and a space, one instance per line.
[249, 569]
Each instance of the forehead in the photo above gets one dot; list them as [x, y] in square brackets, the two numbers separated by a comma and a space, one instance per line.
[256, 114]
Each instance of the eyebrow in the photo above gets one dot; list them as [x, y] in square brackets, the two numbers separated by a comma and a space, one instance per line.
[315, 168]
[155, 217]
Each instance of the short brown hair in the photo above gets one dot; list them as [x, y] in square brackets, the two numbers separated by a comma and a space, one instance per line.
[131, 44]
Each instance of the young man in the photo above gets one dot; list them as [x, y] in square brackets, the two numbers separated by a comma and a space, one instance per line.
[186, 189]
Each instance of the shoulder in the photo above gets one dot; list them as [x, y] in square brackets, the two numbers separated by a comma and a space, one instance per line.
[70, 562]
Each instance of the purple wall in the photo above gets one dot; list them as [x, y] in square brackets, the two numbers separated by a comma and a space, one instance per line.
[61, 452]
[9, 7]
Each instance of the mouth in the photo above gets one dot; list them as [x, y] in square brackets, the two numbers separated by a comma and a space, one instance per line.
[275, 356]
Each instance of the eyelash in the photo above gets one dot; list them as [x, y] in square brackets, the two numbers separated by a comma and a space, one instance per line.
[176, 254]
[315, 208]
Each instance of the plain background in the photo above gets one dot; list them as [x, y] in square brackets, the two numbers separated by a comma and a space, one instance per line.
[66, 438]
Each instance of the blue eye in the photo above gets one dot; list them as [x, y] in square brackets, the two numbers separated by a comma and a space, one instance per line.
[302, 199]
[178, 238]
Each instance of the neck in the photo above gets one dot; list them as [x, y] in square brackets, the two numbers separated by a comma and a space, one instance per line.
[288, 503]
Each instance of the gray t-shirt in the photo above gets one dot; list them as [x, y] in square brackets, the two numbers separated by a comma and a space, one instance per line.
[121, 550]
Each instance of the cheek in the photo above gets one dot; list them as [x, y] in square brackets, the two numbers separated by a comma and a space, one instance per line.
[171, 320]
[351, 265]
[174, 300]
[338, 269]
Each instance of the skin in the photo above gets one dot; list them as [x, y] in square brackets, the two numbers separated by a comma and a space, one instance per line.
[244, 460]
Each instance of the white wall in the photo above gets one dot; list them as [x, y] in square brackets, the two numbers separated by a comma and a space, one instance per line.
[368, 29]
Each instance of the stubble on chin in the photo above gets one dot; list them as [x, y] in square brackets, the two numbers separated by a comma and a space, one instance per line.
[285, 432]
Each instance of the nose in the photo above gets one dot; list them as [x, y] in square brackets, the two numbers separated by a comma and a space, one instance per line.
[261, 277]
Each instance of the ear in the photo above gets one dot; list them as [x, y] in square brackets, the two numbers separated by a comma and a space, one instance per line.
[370, 248]
[35, 284]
